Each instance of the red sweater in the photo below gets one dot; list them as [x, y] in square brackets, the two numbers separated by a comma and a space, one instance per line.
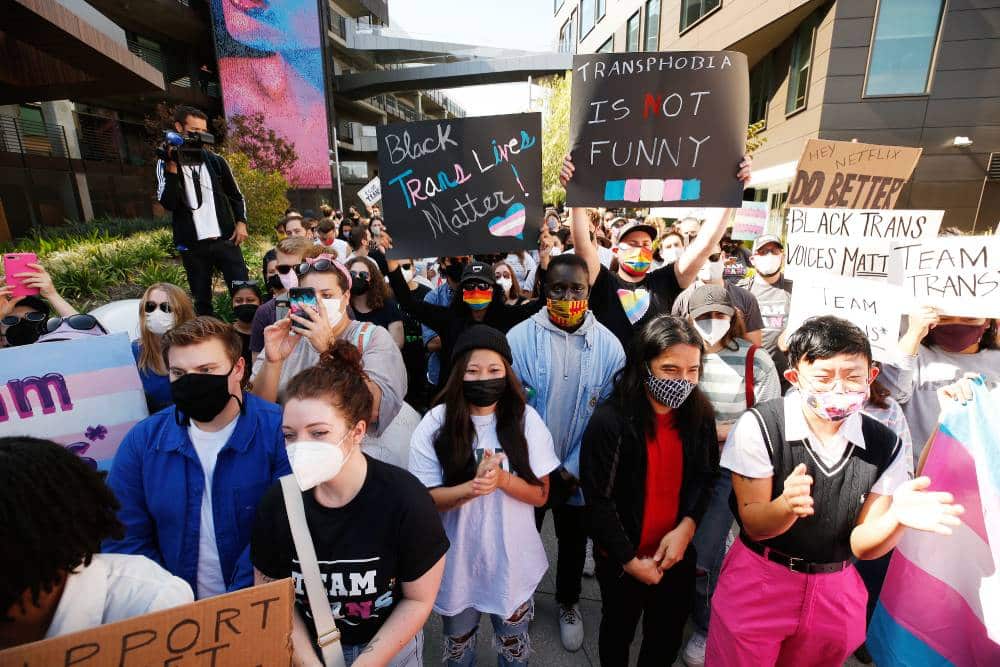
[664, 474]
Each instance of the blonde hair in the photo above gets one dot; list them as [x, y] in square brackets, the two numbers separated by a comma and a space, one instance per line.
[150, 355]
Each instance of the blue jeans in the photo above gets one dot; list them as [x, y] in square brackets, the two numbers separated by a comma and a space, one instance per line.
[411, 655]
[510, 637]
[710, 545]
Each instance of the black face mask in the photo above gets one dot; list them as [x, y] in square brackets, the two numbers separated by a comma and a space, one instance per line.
[483, 393]
[359, 285]
[454, 270]
[23, 333]
[274, 283]
[245, 312]
[201, 396]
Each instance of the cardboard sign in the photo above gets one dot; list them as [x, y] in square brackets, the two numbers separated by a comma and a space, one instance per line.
[658, 129]
[959, 275]
[462, 186]
[750, 220]
[842, 242]
[844, 174]
[249, 627]
[84, 394]
[371, 193]
[874, 307]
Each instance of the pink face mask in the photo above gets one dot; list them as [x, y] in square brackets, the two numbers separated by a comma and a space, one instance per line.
[835, 405]
[289, 280]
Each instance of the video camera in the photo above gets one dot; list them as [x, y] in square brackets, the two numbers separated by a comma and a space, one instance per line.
[184, 148]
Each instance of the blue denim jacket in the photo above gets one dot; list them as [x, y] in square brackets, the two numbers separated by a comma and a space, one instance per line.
[602, 357]
[159, 481]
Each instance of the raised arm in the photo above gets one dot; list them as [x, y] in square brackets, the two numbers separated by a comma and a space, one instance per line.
[432, 316]
[580, 226]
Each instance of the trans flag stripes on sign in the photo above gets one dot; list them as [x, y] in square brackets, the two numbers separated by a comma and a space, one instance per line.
[940, 604]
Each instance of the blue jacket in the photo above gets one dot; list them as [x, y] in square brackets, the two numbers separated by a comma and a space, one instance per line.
[601, 359]
[159, 482]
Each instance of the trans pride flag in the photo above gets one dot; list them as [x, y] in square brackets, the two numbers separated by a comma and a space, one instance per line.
[84, 394]
[940, 604]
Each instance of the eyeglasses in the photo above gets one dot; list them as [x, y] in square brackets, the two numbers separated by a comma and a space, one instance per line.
[80, 322]
[284, 268]
[848, 385]
[769, 251]
[34, 316]
[152, 306]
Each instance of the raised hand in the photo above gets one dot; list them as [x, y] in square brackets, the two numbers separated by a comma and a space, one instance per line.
[931, 511]
[797, 492]
[316, 327]
[566, 173]
[279, 341]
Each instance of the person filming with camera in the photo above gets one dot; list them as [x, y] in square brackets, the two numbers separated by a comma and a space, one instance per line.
[209, 214]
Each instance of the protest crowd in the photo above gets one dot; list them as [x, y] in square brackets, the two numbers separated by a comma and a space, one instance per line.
[392, 433]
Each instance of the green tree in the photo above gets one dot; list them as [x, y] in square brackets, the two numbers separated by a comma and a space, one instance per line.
[555, 136]
[754, 140]
[264, 192]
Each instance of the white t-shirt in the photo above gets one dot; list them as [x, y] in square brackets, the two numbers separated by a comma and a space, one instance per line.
[746, 454]
[339, 246]
[496, 558]
[206, 222]
[208, 445]
[115, 587]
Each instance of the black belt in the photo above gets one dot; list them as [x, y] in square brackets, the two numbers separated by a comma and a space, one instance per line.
[791, 562]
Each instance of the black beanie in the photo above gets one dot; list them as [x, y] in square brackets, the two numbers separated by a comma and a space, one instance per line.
[482, 337]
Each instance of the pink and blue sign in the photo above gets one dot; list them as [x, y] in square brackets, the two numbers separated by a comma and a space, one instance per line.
[84, 394]
[652, 190]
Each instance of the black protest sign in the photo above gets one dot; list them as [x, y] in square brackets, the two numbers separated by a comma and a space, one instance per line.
[462, 186]
[658, 129]
[848, 174]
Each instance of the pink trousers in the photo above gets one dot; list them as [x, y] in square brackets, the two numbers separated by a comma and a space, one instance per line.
[765, 614]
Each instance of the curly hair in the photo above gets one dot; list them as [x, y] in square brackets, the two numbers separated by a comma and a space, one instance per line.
[55, 510]
[378, 291]
[339, 379]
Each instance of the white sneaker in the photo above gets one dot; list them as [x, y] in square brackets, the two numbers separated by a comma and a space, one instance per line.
[588, 562]
[571, 627]
[694, 650]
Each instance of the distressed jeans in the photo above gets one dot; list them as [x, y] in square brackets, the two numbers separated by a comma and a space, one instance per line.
[510, 637]
[710, 546]
[411, 655]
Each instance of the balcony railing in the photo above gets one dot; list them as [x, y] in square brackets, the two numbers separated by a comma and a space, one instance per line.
[31, 137]
[152, 56]
[105, 139]
[338, 24]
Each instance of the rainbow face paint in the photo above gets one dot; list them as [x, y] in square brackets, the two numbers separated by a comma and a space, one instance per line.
[635, 261]
[477, 299]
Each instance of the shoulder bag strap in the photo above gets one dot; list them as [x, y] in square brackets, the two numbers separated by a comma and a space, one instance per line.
[748, 379]
[327, 635]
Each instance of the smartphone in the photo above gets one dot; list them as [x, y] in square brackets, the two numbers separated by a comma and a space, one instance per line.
[281, 309]
[15, 263]
[298, 297]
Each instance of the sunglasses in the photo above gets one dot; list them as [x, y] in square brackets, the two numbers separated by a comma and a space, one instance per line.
[80, 322]
[284, 268]
[35, 317]
[406, 267]
[320, 266]
[236, 284]
[151, 306]
[715, 257]
[362, 275]
[476, 285]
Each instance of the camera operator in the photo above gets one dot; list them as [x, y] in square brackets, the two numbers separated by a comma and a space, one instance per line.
[209, 214]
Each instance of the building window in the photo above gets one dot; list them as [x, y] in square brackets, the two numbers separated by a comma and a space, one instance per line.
[632, 33]
[693, 11]
[902, 51]
[602, 9]
[557, 5]
[587, 17]
[652, 25]
[567, 42]
[608, 46]
[572, 32]
[760, 90]
[801, 66]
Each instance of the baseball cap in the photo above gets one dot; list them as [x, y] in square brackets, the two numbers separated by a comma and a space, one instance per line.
[653, 232]
[764, 239]
[710, 299]
[478, 271]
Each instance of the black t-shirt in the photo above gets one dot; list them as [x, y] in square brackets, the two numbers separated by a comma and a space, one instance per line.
[384, 316]
[388, 534]
[624, 307]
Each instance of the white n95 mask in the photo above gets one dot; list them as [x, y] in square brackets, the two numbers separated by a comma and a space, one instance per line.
[316, 462]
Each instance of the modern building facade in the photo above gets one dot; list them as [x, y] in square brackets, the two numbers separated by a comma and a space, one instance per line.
[903, 72]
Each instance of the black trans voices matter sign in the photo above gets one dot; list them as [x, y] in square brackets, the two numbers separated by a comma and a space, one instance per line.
[658, 129]
[462, 186]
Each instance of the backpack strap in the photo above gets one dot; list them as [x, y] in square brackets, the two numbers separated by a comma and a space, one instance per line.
[362, 336]
[748, 379]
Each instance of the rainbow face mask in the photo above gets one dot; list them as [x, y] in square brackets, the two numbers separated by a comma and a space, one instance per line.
[477, 299]
[634, 261]
[566, 312]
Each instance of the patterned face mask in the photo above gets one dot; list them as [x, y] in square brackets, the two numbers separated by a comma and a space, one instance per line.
[566, 312]
[634, 261]
[671, 393]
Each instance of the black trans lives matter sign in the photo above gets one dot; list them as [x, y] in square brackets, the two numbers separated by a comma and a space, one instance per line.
[462, 186]
[658, 129]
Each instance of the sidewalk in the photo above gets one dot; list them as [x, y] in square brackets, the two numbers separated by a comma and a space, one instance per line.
[548, 649]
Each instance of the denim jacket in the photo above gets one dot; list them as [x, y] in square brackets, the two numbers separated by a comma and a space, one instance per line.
[601, 359]
[159, 481]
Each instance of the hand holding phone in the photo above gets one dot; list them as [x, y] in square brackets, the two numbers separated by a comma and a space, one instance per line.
[298, 298]
[15, 263]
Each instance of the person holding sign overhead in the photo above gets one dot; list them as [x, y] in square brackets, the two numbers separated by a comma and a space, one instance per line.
[626, 300]
[816, 484]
